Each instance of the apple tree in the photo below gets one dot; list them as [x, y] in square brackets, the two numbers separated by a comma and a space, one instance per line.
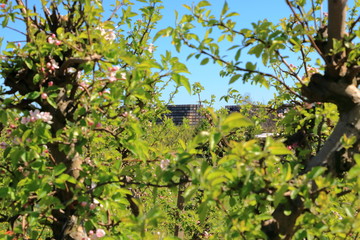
[311, 58]
[80, 88]
[83, 155]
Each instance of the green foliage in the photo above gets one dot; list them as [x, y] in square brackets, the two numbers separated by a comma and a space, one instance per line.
[82, 144]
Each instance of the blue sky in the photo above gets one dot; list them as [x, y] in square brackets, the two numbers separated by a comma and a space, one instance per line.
[208, 75]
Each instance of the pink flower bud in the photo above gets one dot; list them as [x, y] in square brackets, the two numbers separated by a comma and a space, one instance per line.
[57, 42]
[91, 232]
[53, 35]
[92, 206]
[48, 65]
[2, 5]
[100, 233]
[83, 204]
[51, 40]
[44, 96]
[98, 125]
[50, 83]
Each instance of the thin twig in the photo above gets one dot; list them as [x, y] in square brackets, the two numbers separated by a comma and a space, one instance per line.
[312, 41]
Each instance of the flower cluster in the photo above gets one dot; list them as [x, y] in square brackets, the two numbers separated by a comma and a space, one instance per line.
[109, 35]
[52, 65]
[37, 115]
[52, 40]
[312, 70]
[83, 85]
[112, 74]
[99, 233]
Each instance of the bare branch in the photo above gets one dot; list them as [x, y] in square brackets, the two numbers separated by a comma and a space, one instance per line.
[117, 7]
[71, 61]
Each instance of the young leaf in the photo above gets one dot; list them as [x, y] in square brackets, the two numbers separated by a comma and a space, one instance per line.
[234, 78]
[204, 61]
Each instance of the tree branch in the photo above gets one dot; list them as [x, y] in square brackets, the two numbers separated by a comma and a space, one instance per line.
[72, 61]
[216, 58]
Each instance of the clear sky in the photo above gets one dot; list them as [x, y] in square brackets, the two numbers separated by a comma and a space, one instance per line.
[208, 75]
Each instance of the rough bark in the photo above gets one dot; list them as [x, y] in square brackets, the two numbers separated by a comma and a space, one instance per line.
[337, 85]
[65, 224]
[178, 230]
[281, 223]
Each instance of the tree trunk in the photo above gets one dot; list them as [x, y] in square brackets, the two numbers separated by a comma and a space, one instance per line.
[178, 231]
[332, 154]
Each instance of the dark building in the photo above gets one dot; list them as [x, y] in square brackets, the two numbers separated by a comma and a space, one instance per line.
[232, 108]
[188, 111]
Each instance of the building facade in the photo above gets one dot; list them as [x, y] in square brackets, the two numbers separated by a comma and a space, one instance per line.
[188, 111]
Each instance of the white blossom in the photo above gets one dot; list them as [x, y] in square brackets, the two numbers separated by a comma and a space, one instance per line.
[109, 35]
[37, 115]
[123, 76]
[164, 163]
[151, 48]
[54, 64]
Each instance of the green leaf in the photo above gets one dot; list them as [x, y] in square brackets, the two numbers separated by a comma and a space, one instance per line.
[278, 148]
[51, 102]
[204, 61]
[287, 212]
[33, 95]
[234, 78]
[26, 135]
[221, 38]
[190, 191]
[203, 4]
[257, 50]
[265, 58]
[237, 55]
[232, 14]
[36, 78]
[23, 182]
[315, 172]
[65, 178]
[3, 192]
[250, 66]
[59, 169]
[187, 7]
[235, 120]
[3, 117]
[279, 195]
[29, 63]
[357, 158]
[224, 9]
[5, 21]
